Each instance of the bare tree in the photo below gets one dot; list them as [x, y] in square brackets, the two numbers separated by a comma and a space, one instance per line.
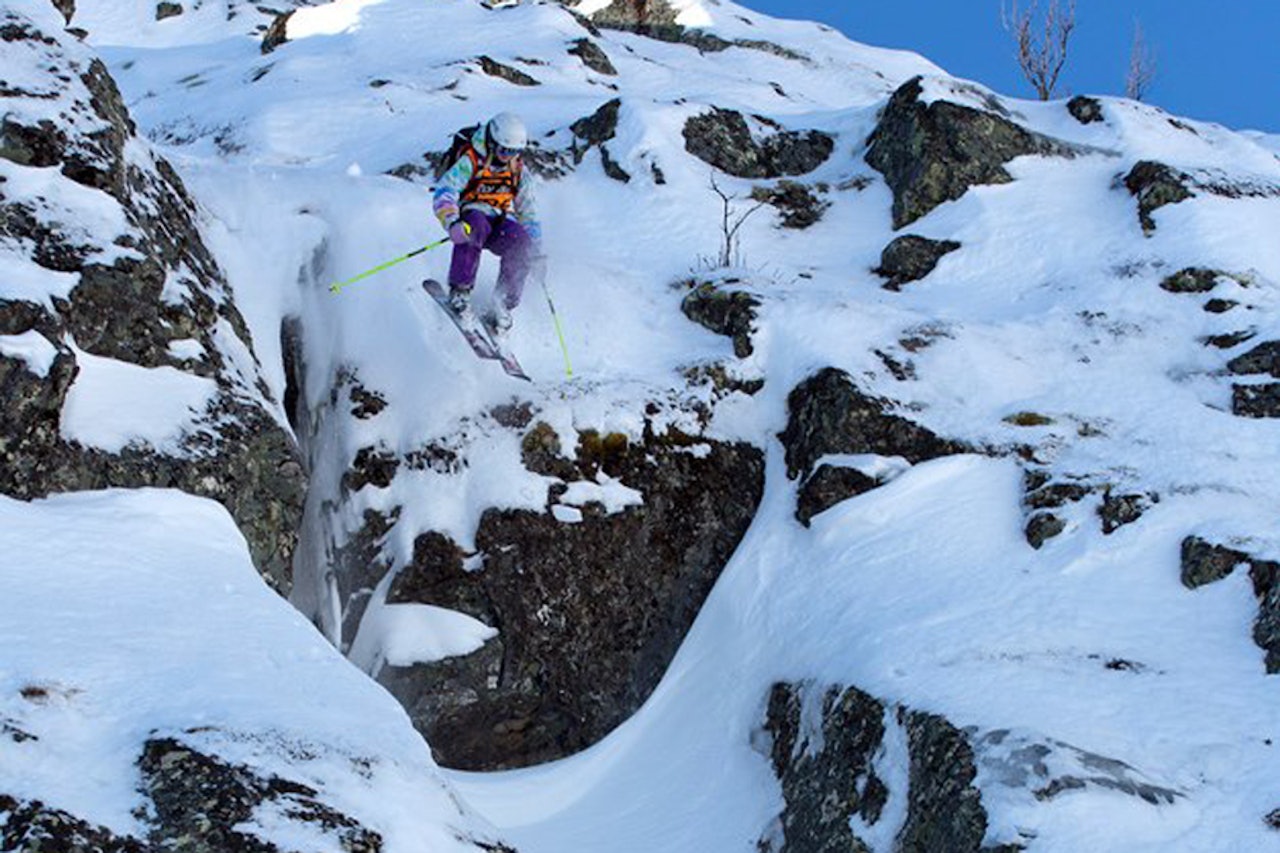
[1041, 55]
[731, 222]
[1142, 66]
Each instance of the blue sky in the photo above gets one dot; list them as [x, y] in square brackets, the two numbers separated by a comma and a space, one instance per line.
[1217, 60]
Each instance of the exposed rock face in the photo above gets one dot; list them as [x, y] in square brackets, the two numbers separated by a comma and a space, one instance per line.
[723, 139]
[1192, 280]
[201, 804]
[827, 747]
[1204, 562]
[839, 754]
[590, 609]
[829, 415]
[150, 296]
[505, 72]
[1154, 185]
[1257, 400]
[595, 130]
[724, 311]
[932, 153]
[1085, 110]
[278, 33]
[911, 258]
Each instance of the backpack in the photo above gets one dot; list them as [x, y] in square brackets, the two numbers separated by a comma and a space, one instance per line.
[459, 143]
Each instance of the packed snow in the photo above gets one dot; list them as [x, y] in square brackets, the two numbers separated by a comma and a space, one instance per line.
[923, 592]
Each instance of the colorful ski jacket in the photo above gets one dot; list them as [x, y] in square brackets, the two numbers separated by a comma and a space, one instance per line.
[476, 181]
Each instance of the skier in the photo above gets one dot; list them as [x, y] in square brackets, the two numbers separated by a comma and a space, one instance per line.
[484, 200]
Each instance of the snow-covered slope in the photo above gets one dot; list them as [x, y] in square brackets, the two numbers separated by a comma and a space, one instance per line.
[1106, 705]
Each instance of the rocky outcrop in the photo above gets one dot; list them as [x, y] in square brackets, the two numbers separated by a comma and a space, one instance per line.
[593, 56]
[591, 601]
[514, 76]
[911, 258]
[723, 310]
[930, 153]
[798, 204]
[1154, 185]
[150, 296]
[724, 139]
[857, 771]
[828, 414]
[1261, 400]
[593, 132]
[1204, 562]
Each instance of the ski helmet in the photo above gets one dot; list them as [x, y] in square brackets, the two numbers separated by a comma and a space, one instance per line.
[507, 131]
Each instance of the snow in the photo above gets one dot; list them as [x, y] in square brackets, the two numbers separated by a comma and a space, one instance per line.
[923, 592]
[130, 615]
[33, 348]
[113, 404]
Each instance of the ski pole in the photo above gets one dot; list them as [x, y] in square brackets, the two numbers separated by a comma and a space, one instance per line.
[336, 287]
[568, 368]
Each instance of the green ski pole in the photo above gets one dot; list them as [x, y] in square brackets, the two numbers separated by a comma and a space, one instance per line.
[336, 287]
[542, 279]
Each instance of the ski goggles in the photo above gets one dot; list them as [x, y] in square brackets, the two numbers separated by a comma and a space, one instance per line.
[504, 152]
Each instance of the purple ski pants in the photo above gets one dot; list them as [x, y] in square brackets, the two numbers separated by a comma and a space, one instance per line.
[507, 239]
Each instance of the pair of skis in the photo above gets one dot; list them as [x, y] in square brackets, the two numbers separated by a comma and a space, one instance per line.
[478, 335]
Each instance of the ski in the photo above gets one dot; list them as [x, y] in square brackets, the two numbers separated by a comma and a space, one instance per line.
[475, 334]
[504, 355]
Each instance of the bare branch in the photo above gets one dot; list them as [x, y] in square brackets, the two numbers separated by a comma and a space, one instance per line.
[731, 221]
[1041, 58]
[1142, 66]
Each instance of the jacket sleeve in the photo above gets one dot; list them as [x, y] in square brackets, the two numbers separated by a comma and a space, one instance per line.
[445, 202]
[525, 206]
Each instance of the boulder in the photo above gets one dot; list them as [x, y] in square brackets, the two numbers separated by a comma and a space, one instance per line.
[1154, 185]
[1256, 401]
[799, 205]
[723, 139]
[827, 413]
[930, 153]
[911, 258]
[723, 310]
[1085, 110]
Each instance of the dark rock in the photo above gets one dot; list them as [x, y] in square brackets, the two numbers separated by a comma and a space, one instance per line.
[237, 454]
[911, 258]
[799, 205]
[944, 807]
[589, 613]
[505, 72]
[828, 486]
[29, 826]
[826, 774]
[1256, 401]
[1041, 527]
[932, 153]
[206, 802]
[726, 312]
[1192, 280]
[1265, 575]
[611, 167]
[360, 563]
[1264, 358]
[1204, 563]
[277, 34]
[372, 466]
[1085, 110]
[1119, 510]
[1154, 185]
[1052, 495]
[723, 139]
[595, 130]
[1230, 339]
[67, 8]
[825, 747]
[593, 57]
[1273, 820]
[168, 10]
[1220, 306]
[828, 414]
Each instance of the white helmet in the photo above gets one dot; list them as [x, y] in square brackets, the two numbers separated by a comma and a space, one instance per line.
[508, 131]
